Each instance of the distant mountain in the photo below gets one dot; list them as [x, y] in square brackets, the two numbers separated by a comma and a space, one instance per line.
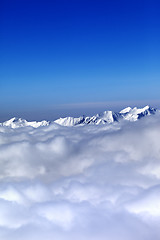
[130, 114]
[103, 118]
[19, 122]
[107, 117]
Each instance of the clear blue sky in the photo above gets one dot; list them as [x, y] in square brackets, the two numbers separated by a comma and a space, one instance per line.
[77, 51]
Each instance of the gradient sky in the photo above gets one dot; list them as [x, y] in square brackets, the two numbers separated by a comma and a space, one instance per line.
[60, 52]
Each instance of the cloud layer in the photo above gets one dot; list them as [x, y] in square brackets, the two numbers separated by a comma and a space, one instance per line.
[86, 182]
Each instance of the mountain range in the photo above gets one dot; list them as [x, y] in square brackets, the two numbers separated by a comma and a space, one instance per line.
[107, 117]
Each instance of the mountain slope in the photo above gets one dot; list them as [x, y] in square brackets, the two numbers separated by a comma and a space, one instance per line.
[19, 122]
[107, 117]
[137, 113]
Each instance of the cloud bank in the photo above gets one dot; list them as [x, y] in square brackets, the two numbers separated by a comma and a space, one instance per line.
[87, 182]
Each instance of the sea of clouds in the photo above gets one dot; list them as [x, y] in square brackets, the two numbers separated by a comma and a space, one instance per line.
[81, 183]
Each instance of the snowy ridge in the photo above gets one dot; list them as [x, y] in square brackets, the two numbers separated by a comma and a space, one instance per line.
[137, 113]
[19, 122]
[107, 117]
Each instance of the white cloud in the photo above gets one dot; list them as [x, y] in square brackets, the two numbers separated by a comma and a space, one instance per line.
[87, 182]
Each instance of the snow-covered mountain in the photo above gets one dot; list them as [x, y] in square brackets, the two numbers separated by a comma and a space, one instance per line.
[19, 122]
[130, 114]
[103, 118]
[107, 117]
[133, 114]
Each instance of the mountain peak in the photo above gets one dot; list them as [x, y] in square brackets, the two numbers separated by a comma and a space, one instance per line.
[19, 122]
[106, 117]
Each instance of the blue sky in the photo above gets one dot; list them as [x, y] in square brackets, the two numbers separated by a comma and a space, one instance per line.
[62, 52]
